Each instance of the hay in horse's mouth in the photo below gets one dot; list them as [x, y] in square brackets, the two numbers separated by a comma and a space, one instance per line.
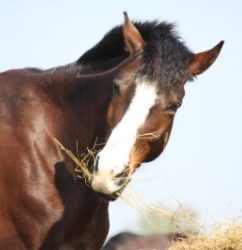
[82, 169]
[82, 164]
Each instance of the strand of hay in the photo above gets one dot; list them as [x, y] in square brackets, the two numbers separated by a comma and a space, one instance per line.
[220, 239]
[82, 164]
[134, 200]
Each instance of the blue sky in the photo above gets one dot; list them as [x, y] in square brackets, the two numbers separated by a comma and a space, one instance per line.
[202, 164]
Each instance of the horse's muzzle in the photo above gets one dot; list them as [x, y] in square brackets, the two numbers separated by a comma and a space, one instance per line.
[108, 185]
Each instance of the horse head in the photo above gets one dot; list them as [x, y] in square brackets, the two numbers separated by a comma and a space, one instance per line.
[147, 92]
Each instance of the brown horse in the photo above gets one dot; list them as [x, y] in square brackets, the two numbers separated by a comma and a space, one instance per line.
[125, 91]
[130, 241]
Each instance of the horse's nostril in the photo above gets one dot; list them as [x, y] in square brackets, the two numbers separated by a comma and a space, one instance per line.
[96, 163]
[121, 178]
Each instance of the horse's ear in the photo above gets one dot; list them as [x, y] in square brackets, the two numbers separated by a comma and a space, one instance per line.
[134, 42]
[201, 61]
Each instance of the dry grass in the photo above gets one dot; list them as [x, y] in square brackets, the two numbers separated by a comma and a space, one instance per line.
[180, 219]
[226, 236]
[81, 162]
[221, 238]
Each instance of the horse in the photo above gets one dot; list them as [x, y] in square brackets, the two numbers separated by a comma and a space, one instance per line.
[123, 94]
[131, 241]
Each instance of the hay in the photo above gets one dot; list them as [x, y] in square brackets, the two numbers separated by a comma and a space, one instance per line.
[82, 164]
[128, 195]
[179, 218]
[226, 236]
[220, 239]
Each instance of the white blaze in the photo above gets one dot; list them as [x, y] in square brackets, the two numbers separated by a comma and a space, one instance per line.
[115, 154]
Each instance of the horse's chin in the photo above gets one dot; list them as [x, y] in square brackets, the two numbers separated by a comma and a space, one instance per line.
[110, 197]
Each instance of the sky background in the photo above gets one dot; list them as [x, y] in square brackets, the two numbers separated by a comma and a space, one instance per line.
[202, 164]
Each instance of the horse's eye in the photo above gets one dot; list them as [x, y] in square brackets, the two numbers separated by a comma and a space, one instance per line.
[116, 90]
[173, 106]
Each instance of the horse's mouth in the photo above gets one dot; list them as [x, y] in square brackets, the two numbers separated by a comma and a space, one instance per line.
[114, 196]
[110, 188]
[117, 194]
[108, 197]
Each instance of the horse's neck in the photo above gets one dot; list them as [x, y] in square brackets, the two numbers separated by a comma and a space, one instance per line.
[83, 103]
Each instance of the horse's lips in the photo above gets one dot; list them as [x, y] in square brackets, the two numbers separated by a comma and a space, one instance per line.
[107, 197]
[113, 196]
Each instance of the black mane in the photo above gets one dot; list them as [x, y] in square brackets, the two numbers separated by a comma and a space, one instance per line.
[166, 56]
